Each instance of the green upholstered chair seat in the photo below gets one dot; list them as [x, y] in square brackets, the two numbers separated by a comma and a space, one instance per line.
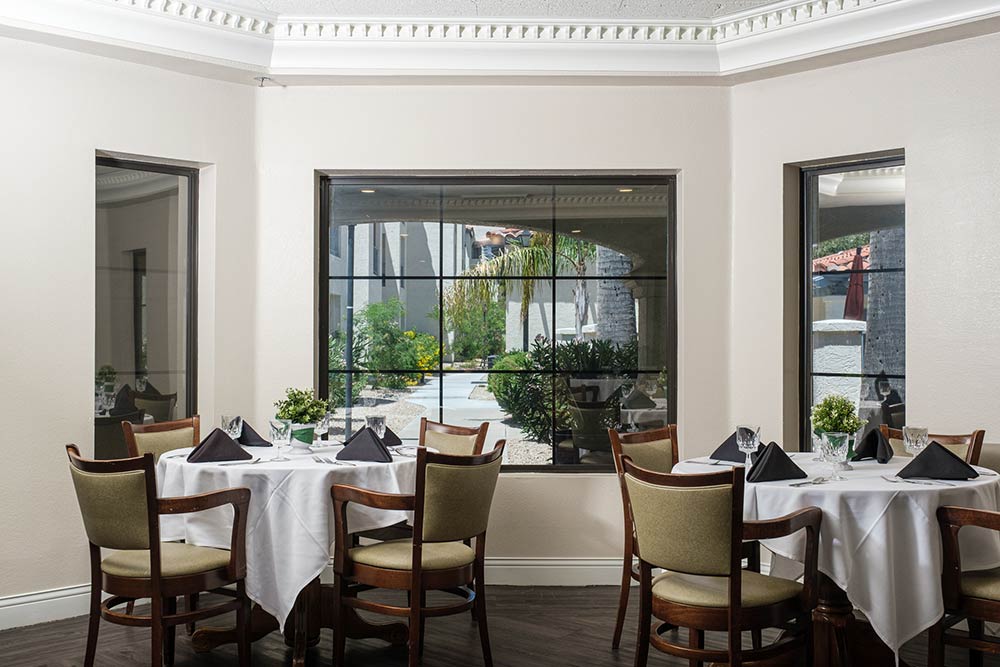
[451, 443]
[398, 554]
[176, 559]
[698, 591]
[983, 584]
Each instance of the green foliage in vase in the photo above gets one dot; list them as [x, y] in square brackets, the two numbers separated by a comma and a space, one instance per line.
[106, 374]
[300, 406]
[836, 414]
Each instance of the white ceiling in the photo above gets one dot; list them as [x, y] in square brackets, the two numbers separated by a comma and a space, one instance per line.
[653, 10]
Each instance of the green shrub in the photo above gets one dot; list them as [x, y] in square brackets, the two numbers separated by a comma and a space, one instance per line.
[337, 362]
[501, 385]
[300, 406]
[385, 344]
[477, 331]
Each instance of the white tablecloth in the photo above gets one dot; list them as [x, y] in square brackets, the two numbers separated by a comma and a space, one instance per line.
[290, 527]
[879, 540]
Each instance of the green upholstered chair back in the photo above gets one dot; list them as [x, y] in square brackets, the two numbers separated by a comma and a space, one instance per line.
[160, 407]
[452, 444]
[655, 455]
[109, 441]
[159, 442]
[683, 529]
[457, 499]
[113, 506]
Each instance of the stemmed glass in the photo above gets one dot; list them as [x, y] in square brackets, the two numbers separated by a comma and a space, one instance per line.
[835, 451]
[323, 427]
[914, 439]
[281, 436]
[377, 424]
[884, 389]
[747, 441]
[232, 425]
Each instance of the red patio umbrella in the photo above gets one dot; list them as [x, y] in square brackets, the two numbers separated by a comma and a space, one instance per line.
[854, 306]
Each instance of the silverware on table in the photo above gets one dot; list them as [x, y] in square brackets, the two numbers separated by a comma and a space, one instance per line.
[329, 461]
[921, 482]
[242, 463]
[812, 482]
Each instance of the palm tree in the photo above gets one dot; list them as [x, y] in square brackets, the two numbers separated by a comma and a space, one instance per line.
[520, 267]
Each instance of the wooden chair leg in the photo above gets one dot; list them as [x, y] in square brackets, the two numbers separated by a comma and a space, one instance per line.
[935, 645]
[169, 632]
[696, 639]
[191, 604]
[975, 632]
[242, 624]
[415, 632]
[756, 638]
[479, 606]
[626, 587]
[339, 625]
[423, 626]
[645, 620]
[130, 608]
[156, 640]
[95, 621]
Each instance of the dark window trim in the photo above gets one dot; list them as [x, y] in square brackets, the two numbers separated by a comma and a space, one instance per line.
[805, 282]
[443, 181]
[138, 304]
[191, 352]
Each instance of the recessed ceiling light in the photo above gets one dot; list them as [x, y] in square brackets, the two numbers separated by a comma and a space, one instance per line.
[574, 231]
[368, 191]
[624, 189]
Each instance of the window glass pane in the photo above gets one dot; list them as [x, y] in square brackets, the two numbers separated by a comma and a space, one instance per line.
[142, 273]
[857, 297]
[612, 230]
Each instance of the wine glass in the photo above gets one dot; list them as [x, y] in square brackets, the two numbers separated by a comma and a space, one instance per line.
[747, 441]
[835, 446]
[914, 439]
[232, 425]
[281, 436]
[884, 389]
[323, 426]
[377, 424]
[140, 382]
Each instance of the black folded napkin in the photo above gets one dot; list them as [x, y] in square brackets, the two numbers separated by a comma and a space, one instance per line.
[728, 451]
[636, 400]
[937, 462]
[365, 446]
[873, 446]
[150, 390]
[391, 439]
[774, 464]
[217, 447]
[250, 438]
[124, 402]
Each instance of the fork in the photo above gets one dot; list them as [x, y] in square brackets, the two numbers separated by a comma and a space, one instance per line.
[922, 482]
[811, 482]
[323, 459]
[243, 463]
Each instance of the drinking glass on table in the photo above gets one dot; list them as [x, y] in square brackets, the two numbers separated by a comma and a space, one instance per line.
[883, 388]
[232, 425]
[281, 436]
[377, 424]
[323, 426]
[747, 441]
[914, 439]
[835, 447]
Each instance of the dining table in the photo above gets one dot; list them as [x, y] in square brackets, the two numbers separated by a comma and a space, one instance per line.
[289, 535]
[879, 551]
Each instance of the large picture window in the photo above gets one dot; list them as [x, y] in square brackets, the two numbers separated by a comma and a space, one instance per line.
[541, 305]
[854, 328]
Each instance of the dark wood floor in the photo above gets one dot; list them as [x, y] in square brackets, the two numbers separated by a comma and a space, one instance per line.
[536, 627]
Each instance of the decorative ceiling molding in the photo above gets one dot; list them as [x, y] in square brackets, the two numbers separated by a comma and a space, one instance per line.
[120, 185]
[235, 43]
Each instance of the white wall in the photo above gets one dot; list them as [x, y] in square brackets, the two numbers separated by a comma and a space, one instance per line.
[562, 128]
[942, 105]
[59, 108]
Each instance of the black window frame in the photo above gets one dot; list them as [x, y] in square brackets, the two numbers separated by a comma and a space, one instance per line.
[806, 373]
[443, 181]
[191, 296]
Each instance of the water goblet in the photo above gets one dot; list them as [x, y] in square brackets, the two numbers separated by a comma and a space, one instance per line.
[377, 424]
[914, 439]
[281, 436]
[835, 447]
[141, 381]
[884, 388]
[232, 425]
[323, 426]
[747, 441]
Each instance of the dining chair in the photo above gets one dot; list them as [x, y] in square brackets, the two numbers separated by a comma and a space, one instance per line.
[121, 511]
[161, 437]
[973, 596]
[109, 443]
[450, 504]
[160, 406]
[692, 527]
[967, 447]
[655, 450]
[454, 440]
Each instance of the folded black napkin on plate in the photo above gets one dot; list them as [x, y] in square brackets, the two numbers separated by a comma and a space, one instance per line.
[728, 451]
[636, 400]
[217, 446]
[873, 446]
[124, 402]
[774, 464]
[391, 439]
[250, 438]
[937, 462]
[365, 446]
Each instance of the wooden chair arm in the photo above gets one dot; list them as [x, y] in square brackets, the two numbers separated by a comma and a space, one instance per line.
[808, 517]
[376, 499]
[239, 498]
[951, 520]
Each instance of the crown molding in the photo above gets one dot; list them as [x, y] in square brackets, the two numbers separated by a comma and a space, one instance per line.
[233, 43]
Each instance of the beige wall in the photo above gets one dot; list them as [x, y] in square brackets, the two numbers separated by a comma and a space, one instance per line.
[942, 105]
[562, 128]
[60, 107]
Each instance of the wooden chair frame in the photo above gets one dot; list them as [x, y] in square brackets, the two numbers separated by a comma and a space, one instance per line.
[735, 619]
[352, 578]
[974, 441]
[164, 591]
[439, 427]
[159, 427]
[957, 606]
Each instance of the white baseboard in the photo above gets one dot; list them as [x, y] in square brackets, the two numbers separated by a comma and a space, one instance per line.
[43, 606]
[553, 571]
